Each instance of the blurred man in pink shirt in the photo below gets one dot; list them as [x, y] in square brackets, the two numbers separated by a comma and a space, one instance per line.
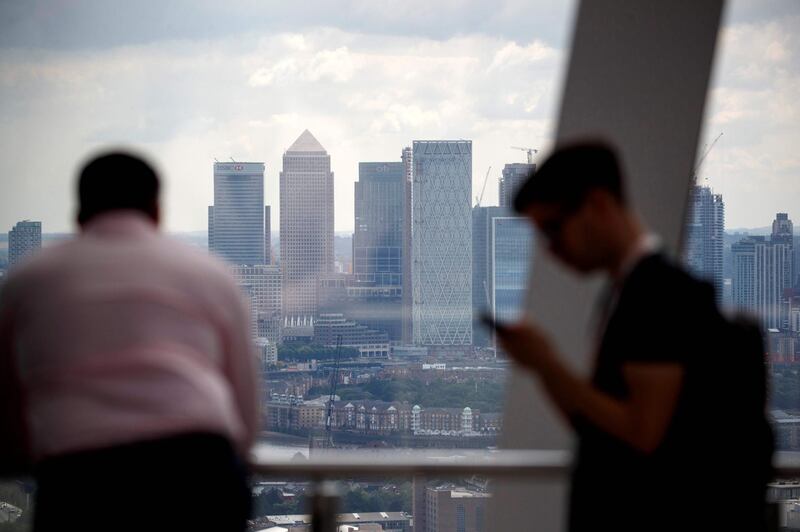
[128, 376]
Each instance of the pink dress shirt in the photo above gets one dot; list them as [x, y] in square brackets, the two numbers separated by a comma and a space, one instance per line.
[123, 335]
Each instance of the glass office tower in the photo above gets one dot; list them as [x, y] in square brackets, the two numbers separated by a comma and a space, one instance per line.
[236, 220]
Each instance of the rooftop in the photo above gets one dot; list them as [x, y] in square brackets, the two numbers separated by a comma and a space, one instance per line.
[366, 517]
[306, 142]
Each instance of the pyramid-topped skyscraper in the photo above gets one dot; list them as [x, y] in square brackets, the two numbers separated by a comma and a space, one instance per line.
[306, 189]
[307, 143]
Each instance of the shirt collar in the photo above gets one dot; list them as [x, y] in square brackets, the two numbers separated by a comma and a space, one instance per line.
[120, 223]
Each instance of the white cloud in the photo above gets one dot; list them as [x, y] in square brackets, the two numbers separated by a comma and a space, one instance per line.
[514, 55]
[283, 69]
[248, 97]
[365, 96]
[337, 65]
[754, 102]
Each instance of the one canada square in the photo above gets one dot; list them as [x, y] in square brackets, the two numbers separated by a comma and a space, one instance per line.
[442, 243]
[306, 229]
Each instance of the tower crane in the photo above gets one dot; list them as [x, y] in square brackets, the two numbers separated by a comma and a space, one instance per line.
[328, 442]
[479, 199]
[703, 157]
[529, 151]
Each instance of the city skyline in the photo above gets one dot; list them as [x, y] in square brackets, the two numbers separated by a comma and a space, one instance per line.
[509, 172]
[365, 89]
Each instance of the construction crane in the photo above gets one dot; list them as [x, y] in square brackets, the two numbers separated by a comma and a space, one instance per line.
[529, 151]
[703, 157]
[328, 443]
[479, 199]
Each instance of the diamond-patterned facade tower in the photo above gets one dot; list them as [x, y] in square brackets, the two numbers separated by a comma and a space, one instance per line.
[442, 243]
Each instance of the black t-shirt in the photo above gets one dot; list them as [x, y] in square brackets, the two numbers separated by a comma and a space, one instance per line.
[662, 315]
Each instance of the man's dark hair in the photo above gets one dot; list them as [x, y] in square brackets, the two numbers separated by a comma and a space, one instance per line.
[114, 181]
[570, 173]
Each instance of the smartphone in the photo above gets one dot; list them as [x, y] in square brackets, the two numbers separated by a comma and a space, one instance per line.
[490, 322]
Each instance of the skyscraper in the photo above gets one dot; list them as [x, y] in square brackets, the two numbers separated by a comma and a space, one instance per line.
[762, 274]
[24, 239]
[379, 220]
[514, 175]
[502, 247]
[408, 228]
[481, 289]
[306, 226]
[782, 240]
[378, 246]
[705, 228]
[236, 220]
[442, 242]
[510, 260]
[782, 229]
[743, 283]
[267, 235]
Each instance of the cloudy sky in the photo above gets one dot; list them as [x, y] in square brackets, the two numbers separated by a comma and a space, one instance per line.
[189, 81]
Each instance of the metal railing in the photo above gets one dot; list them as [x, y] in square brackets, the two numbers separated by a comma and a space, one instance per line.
[325, 466]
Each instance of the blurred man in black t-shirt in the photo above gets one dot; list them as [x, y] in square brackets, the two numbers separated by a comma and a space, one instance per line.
[652, 452]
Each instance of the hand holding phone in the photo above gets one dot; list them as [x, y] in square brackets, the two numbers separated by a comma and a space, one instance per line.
[490, 322]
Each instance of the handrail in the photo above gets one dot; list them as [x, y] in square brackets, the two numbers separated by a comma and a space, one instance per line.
[786, 464]
[547, 464]
[326, 465]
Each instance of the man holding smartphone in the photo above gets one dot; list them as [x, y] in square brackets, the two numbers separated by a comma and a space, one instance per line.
[643, 420]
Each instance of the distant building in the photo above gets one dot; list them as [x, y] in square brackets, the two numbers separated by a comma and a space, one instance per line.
[787, 430]
[25, 238]
[502, 251]
[514, 175]
[788, 511]
[481, 275]
[408, 229]
[782, 229]
[763, 274]
[267, 235]
[297, 328]
[783, 490]
[267, 352]
[236, 220]
[352, 522]
[375, 306]
[369, 342]
[409, 352]
[306, 226]
[262, 284]
[449, 508]
[705, 230]
[442, 243]
[511, 257]
[379, 219]
[292, 413]
[379, 248]
[385, 521]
